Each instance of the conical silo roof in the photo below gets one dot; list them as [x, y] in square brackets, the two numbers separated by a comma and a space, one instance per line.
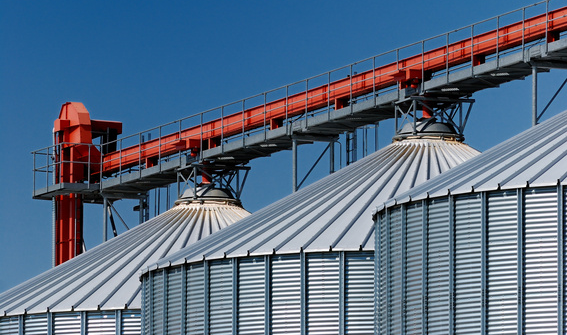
[536, 157]
[335, 212]
[107, 276]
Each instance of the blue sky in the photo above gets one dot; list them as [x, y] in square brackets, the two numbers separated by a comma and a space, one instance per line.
[146, 63]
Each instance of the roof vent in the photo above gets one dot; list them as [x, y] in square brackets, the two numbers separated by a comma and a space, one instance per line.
[429, 128]
[208, 193]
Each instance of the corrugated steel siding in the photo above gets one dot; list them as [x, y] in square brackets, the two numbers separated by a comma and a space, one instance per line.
[286, 294]
[130, 323]
[9, 325]
[174, 300]
[35, 324]
[323, 293]
[493, 263]
[502, 263]
[467, 262]
[563, 217]
[414, 280]
[251, 295]
[359, 293]
[94, 322]
[195, 301]
[157, 300]
[101, 323]
[146, 311]
[395, 273]
[438, 281]
[382, 277]
[220, 297]
[268, 294]
[66, 323]
[540, 220]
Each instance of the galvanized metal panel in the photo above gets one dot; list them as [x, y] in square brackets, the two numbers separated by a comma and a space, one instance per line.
[563, 203]
[286, 295]
[251, 292]
[438, 278]
[502, 263]
[35, 324]
[535, 157]
[468, 261]
[195, 300]
[220, 297]
[157, 303]
[174, 300]
[146, 301]
[414, 278]
[66, 323]
[9, 325]
[333, 212]
[130, 322]
[541, 261]
[101, 323]
[382, 275]
[323, 293]
[359, 293]
[107, 277]
[395, 272]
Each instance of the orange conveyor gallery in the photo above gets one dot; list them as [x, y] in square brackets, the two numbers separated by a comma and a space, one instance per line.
[406, 72]
[75, 126]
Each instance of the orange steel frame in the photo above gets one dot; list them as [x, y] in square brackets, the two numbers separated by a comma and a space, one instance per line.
[75, 126]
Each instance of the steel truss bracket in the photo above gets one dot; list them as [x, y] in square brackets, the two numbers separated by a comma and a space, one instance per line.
[445, 110]
[296, 140]
[212, 175]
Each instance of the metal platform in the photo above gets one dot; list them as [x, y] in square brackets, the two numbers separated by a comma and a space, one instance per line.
[445, 87]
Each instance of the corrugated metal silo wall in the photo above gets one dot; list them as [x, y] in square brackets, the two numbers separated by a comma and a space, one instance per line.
[480, 263]
[315, 293]
[126, 322]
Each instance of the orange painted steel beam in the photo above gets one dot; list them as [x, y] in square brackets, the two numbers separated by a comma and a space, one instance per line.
[404, 72]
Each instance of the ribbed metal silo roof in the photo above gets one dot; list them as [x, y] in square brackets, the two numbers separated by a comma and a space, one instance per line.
[534, 158]
[107, 276]
[335, 212]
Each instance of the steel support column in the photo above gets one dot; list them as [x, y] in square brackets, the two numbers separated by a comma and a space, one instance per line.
[534, 95]
[331, 157]
[294, 165]
[105, 218]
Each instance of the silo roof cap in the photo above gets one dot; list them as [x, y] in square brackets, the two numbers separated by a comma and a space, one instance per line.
[107, 276]
[536, 157]
[334, 213]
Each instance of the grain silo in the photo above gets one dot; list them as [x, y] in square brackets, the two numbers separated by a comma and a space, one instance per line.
[303, 263]
[99, 291]
[480, 249]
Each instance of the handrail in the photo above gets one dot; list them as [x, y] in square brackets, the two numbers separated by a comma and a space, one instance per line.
[208, 134]
[281, 106]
